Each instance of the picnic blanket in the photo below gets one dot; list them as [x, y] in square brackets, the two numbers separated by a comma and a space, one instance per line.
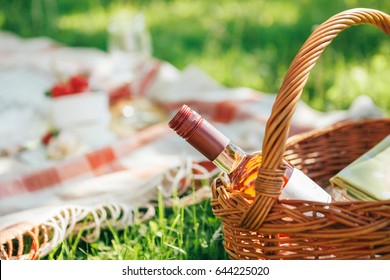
[43, 201]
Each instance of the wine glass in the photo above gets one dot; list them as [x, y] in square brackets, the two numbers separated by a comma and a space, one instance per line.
[129, 44]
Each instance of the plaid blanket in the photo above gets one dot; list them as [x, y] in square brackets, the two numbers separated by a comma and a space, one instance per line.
[42, 202]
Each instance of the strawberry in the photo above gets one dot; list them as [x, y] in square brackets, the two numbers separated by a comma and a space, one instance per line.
[48, 136]
[60, 90]
[79, 83]
[75, 84]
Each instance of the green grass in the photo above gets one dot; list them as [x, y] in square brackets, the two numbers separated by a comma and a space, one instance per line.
[178, 233]
[239, 43]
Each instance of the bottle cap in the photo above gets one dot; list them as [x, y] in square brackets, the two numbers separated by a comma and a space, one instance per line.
[204, 137]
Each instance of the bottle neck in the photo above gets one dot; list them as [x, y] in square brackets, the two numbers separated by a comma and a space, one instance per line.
[199, 133]
[207, 139]
[230, 158]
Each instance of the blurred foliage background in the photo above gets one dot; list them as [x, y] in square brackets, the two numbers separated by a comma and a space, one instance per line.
[239, 43]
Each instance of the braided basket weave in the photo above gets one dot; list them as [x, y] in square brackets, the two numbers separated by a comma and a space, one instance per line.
[262, 227]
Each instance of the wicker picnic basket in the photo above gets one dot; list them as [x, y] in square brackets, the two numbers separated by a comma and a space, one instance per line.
[263, 227]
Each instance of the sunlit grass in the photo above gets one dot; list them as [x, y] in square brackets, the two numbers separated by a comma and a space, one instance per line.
[190, 232]
[95, 20]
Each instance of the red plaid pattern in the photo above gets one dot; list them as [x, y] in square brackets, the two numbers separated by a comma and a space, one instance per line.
[99, 162]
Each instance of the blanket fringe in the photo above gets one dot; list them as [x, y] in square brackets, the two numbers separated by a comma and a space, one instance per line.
[32, 241]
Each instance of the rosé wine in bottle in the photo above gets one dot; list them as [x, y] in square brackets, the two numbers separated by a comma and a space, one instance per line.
[241, 167]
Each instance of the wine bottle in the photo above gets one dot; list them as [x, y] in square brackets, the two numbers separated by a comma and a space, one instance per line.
[241, 167]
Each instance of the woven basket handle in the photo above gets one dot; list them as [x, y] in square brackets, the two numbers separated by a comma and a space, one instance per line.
[269, 179]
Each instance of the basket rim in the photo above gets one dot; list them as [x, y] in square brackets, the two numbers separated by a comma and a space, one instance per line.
[295, 139]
